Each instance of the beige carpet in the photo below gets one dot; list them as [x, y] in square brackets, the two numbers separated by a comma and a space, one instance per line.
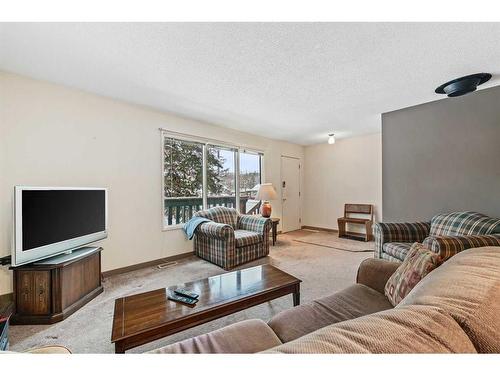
[323, 270]
[332, 240]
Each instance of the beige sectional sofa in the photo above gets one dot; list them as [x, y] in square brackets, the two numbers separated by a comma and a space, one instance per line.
[454, 309]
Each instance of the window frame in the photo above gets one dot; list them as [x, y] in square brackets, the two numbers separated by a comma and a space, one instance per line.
[206, 142]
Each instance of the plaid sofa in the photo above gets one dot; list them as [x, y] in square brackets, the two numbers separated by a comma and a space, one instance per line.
[231, 239]
[445, 234]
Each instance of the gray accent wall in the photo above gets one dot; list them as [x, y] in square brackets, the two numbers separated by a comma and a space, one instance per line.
[442, 156]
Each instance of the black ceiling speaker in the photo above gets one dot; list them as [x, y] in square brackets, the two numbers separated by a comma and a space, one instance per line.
[463, 85]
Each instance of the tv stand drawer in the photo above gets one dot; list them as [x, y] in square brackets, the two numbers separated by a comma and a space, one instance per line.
[33, 292]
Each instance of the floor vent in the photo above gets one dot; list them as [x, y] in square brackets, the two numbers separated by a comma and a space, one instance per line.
[166, 265]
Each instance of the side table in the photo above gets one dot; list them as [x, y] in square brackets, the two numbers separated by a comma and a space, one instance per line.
[275, 221]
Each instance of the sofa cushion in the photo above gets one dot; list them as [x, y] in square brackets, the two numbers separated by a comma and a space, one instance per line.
[463, 224]
[412, 329]
[417, 264]
[397, 249]
[466, 286]
[352, 302]
[249, 336]
[246, 237]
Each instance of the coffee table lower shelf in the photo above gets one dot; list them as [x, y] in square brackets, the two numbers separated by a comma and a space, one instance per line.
[143, 318]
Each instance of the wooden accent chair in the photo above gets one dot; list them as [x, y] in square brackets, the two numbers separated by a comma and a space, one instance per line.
[349, 209]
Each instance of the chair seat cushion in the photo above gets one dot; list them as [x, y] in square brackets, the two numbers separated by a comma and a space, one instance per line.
[397, 249]
[412, 329]
[246, 238]
[249, 336]
[352, 302]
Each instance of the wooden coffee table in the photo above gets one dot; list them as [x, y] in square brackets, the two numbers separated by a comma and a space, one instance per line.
[145, 317]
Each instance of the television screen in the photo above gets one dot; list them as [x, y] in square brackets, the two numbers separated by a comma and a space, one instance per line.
[51, 216]
[50, 221]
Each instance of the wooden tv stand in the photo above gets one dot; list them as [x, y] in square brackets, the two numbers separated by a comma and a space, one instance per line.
[49, 291]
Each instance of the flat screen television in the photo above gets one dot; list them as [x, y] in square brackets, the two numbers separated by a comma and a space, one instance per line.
[53, 220]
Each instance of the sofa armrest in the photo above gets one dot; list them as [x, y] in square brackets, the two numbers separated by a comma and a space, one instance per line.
[399, 232]
[447, 246]
[374, 273]
[254, 223]
[215, 230]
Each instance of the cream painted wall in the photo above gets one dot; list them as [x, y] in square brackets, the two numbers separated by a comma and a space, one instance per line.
[350, 171]
[56, 136]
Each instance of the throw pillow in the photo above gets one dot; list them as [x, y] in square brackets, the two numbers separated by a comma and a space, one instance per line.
[418, 262]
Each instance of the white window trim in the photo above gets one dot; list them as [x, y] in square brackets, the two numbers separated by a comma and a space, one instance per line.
[165, 133]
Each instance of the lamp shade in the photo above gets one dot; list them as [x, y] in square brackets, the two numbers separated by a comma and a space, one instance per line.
[266, 193]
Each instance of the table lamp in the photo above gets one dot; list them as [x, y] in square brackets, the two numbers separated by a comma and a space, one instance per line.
[266, 193]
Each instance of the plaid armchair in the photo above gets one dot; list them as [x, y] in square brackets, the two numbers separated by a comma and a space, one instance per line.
[231, 239]
[445, 234]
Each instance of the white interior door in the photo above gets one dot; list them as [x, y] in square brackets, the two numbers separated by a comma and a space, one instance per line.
[290, 193]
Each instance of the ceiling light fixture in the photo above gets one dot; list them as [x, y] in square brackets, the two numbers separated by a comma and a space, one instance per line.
[331, 139]
[463, 85]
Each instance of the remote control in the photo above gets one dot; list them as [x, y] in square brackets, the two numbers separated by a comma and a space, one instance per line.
[186, 293]
[174, 297]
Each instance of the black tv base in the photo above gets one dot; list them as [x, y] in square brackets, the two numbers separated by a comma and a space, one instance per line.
[49, 291]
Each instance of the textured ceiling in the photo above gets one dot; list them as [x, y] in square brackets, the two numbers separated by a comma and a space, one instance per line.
[290, 81]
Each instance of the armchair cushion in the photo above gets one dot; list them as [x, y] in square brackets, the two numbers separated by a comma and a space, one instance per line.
[398, 250]
[246, 238]
[463, 224]
[215, 230]
[398, 232]
[222, 215]
[254, 223]
[447, 246]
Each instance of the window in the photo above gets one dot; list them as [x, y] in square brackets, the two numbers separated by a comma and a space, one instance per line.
[183, 180]
[249, 181]
[221, 179]
[200, 174]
